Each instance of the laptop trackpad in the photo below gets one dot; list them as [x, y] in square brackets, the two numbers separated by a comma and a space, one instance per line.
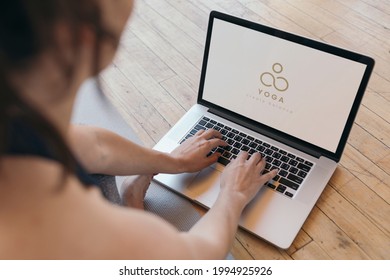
[205, 187]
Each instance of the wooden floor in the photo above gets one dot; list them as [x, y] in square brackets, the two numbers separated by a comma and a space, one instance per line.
[155, 78]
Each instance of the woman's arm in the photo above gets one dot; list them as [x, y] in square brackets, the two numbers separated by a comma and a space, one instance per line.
[211, 237]
[102, 151]
[240, 182]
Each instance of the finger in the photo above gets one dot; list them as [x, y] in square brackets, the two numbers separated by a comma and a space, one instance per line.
[268, 176]
[212, 133]
[242, 156]
[200, 132]
[261, 164]
[216, 142]
[212, 158]
[255, 158]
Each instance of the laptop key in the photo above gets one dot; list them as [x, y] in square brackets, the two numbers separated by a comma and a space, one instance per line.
[283, 173]
[270, 186]
[281, 188]
[288, 194]
[290, 155]
[245, 148]
[304, 167]
[308, 163]
[230, 141]
[289, 184]
[276, 162]
[237, 145]
[230, 134]
[285, 166]
[223, 160]
[253, 145]
[295, 178]
[226, 154]
[300, 159]
[293, 170]
[277, 155]
[302, 174]
[224, 131]
[199, 127]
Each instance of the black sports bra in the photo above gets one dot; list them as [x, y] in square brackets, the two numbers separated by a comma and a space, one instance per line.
[25, 140]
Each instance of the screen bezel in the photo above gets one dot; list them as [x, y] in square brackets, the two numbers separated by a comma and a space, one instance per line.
[271, 132]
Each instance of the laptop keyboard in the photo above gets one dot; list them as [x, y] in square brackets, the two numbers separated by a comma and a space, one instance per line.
[292, 169]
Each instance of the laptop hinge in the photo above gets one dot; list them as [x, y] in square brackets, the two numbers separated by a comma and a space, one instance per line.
[275, 136]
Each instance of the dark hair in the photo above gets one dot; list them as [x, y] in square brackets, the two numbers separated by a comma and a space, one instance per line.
[26, 30]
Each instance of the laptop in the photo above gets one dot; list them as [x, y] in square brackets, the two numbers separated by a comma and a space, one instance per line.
[290, 98]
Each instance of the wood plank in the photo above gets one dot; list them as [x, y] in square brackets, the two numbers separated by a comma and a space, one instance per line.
[370, 12]
[375, 125]
[257, 248]
[178, 19]
[192, 11]
[302, 240]
[311, 251]
[184, 44]
[137, 51]
[180, 91]
[348, 232]
[239, 252]
[324, 12]
[227, 6]
[274, 18]
[134, 108]
[367, 145]
[165, 50]
[380, 85]
[377, 104]
[384, 164]
[356, 19]
[162, 102]
[379, 4]
[304, 19]
[329, 236]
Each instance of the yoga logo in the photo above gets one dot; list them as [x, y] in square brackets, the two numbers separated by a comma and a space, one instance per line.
[279, 83]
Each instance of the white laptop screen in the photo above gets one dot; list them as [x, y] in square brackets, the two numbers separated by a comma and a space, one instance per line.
[301, 91]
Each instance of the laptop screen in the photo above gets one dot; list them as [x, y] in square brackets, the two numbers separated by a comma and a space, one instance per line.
[301, 91]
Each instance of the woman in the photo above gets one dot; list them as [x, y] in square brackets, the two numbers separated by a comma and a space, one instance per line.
[49, 206]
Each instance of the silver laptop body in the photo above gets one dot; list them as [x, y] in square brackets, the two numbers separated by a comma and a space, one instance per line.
[296, 95]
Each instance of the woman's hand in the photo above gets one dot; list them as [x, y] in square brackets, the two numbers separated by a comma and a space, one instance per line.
[243, 178]
[193, 154]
